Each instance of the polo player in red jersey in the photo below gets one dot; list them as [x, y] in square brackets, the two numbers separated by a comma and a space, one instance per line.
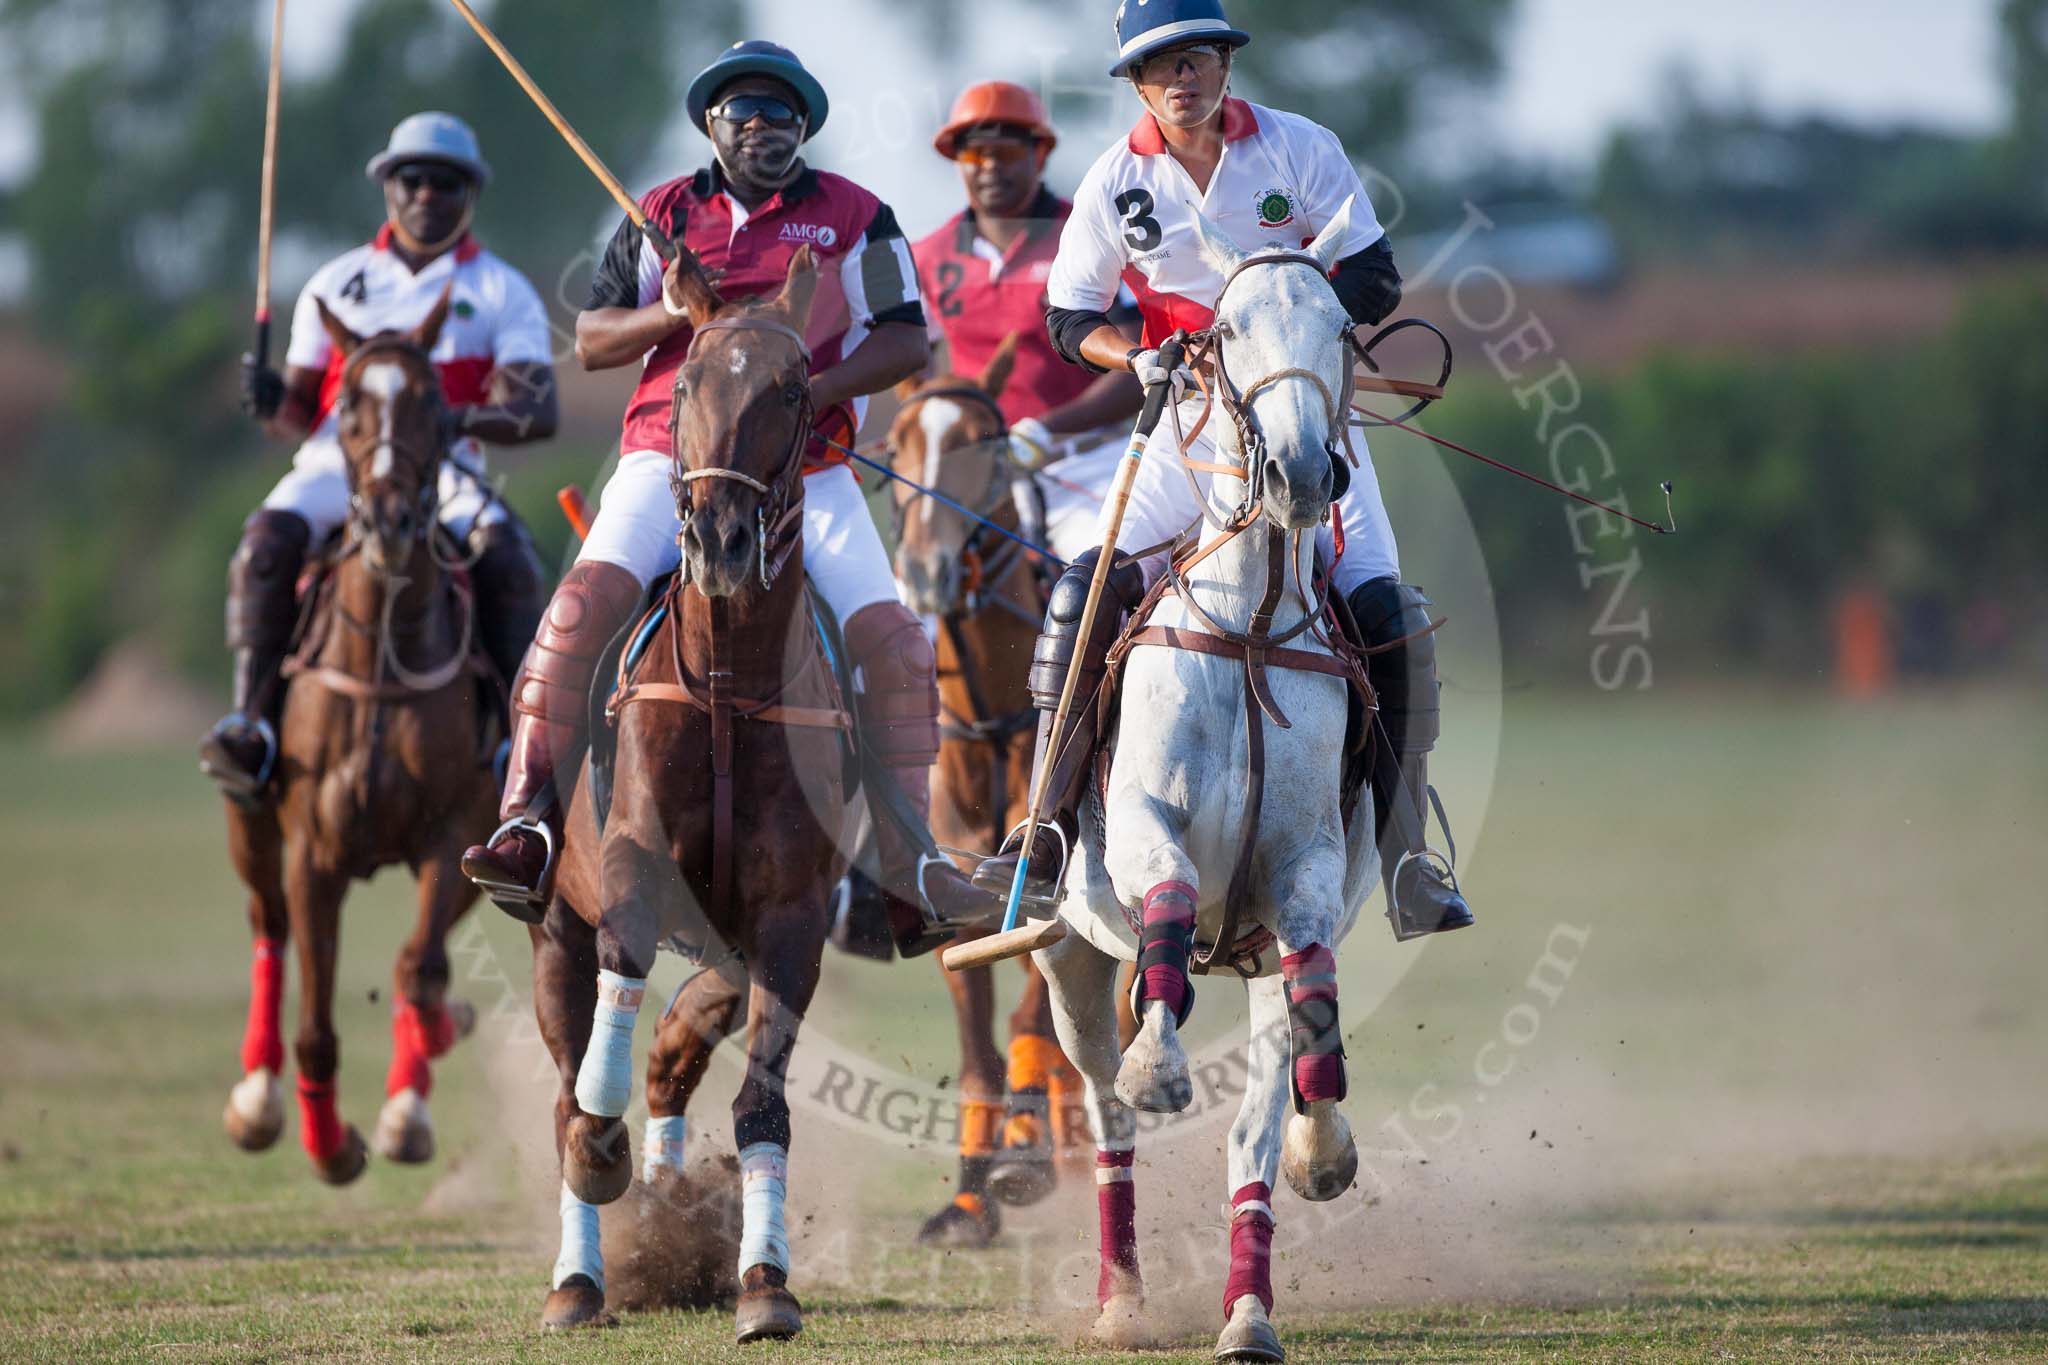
[744, 217]
[494, 356]
[983, 274]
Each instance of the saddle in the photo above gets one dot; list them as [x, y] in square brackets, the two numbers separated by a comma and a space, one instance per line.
[1257, 650]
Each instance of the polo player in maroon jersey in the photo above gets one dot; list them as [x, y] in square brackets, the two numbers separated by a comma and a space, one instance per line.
[744, 216]
[983, 274]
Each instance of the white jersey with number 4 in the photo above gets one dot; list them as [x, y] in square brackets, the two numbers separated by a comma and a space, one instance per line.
[1281, 180]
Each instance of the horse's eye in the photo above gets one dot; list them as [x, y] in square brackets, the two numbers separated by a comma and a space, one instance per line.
[793, 394]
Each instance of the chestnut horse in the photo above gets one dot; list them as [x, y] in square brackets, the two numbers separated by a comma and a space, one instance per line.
[986, 593]
[728, 816]
[378, 763]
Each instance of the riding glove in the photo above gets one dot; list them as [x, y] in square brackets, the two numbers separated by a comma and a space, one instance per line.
[262, 390]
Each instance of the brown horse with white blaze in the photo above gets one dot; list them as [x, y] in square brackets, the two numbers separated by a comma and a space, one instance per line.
[986, 594]
[728, 817]
[378, 763]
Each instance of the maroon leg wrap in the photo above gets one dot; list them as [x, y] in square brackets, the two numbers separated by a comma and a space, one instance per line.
[1116, 1206]
[1163, 946]
[1318, 1043]
[1251, 1246]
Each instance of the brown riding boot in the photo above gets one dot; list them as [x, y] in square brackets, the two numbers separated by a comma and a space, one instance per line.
[551, 703]
[1058, 643]
[929, 899]
[240, 752]
[511, 593]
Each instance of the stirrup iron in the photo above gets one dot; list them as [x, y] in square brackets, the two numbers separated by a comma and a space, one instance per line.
[527, 905]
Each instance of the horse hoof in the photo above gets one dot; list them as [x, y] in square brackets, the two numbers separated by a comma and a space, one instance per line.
[967, 1226]
[578, 1303]
[597, 1158]
[348, 1160]
[404, 1132]
[1249, 1334]
[1022, 1176]
[1317, 1155]
[1154, 1076]
[254, 1117]
[1121, 1324]
[767, 1310]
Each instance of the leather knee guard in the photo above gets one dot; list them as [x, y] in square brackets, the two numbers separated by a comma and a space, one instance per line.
[510, 593]
[552, 695]
[262, 600]
[1061, 639]
[899, 699]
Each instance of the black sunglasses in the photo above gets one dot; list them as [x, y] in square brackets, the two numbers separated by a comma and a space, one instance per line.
[443, 179]
[776, 113]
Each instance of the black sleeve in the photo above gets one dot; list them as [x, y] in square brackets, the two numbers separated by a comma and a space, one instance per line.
[911, 312]
[1367, 284]
[616, 282]
[1069, 327]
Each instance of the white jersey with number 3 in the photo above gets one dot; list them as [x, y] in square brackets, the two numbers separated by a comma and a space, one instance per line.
[1282, 178]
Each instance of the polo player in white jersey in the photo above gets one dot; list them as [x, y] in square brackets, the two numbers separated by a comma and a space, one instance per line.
[1272, 181]
[494, 356]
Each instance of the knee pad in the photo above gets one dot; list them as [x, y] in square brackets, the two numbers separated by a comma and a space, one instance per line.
[588, 609]
[899, 699]
[1060, 638]
[508, 568]
[263, 578]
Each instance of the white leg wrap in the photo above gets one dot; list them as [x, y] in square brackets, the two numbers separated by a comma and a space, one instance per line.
[581, 1251]
[605, 1080]
[664, 1145]
[764, 1179]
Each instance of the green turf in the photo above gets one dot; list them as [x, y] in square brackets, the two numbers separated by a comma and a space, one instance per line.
[1786, 1107]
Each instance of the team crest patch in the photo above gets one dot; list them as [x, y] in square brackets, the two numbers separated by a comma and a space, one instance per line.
[464, 308]
[1275, 208]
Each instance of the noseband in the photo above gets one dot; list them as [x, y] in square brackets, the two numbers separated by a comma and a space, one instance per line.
[779, 511]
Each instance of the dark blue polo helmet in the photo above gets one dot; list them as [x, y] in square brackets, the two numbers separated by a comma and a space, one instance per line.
[1143, 27]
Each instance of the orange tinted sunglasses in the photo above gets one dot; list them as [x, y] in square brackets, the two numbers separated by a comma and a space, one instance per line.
[1005, 153]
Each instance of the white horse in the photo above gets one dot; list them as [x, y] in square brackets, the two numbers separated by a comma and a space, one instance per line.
[1168, 840]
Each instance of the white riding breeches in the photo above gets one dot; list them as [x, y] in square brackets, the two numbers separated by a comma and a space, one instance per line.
[316, 488]
[1074, 489]
[636, 528]
[1162, 505]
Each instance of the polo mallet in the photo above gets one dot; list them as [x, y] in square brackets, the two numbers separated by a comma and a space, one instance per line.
[1013, 941]
[663, 247]
[261, 349]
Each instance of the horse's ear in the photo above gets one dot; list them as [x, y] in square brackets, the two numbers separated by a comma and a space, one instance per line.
[1223, 253]
[429, 331]
[1328, 247]
[344, 340]
[700, 296]
[997, 372]
[799, 287]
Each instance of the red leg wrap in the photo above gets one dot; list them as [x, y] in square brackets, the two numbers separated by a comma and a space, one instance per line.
[1116, 1205]
[319, 1122]
[417, 1037]
[1318, 1043]
[262, 1044]
[1251, 1246]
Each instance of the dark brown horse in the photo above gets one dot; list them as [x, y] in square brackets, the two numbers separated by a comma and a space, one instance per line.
[378, 763]
[987, 595]
[727, 816]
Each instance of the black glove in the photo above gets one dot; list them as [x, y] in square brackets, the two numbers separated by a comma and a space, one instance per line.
[262, 389]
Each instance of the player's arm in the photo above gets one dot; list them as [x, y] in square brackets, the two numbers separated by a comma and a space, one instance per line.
[522, 407]
[1112, 397]
[879, 280]
[1366, 282]
[299, 409]
[1083, 287]
[635, 304]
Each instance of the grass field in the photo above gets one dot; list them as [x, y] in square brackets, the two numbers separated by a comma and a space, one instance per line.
[1786, 1104]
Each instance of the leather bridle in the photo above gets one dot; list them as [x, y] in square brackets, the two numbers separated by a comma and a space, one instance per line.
[427, 461]
[778, 513]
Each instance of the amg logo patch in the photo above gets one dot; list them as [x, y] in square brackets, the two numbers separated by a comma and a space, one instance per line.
[817, 234]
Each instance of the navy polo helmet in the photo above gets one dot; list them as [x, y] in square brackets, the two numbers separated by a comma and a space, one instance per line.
[1143, 27]
[758, 57]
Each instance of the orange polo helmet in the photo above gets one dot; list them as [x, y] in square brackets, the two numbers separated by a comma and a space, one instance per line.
[994, 102]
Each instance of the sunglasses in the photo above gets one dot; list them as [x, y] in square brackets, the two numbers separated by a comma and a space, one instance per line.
[441, 178]
[1205, 58]
[776, 113]
[1007, 152]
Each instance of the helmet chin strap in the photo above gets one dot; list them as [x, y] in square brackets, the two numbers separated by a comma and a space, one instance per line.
[419, 248]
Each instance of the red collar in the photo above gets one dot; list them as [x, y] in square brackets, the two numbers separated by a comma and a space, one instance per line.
[1239, 123]
[466, 250]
